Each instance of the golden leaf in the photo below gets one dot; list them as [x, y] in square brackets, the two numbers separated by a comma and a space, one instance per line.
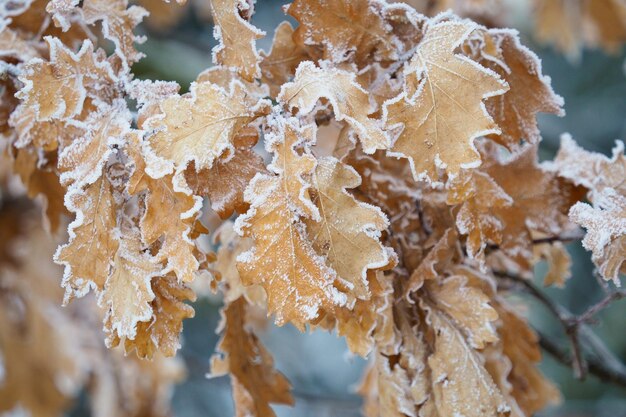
[606, 231]
[279, 66]
[477, 193]
[58, 88]
[161, 333]
[236, 38]
[127, 293]
[255, 382]
[164, 200]
[468, 306]
[461, 385]
[118, 23]
[82, 161]
[348, 235]
[87, 256]
[529, 92]
[225, 182]
[282, 260]
[354, 30]
[559, 263]
[199, 127]
[349, 101]
[442, 111]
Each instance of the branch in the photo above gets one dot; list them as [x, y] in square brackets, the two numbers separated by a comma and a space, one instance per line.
[565, 238]
[596, 367]
[572, 326]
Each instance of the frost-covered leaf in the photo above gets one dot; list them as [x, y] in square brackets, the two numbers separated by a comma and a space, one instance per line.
[92, 245]
[255, 382]
[530, 92]
[128, 290]
[348, 235]
[279, 65]
[224, 183]
[349, 101]
[296, 279]
[442, 111]
[344, 30]
[559, 263]
[58, 88]
[165, 201]
[199, 127]
[162, 331]
[461, 384]
[118, 25]
[236, 37]
[606, 231]
[477, 194]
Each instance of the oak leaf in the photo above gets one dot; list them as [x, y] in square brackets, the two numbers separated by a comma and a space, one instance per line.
[118, 25]
[461, 385]
[161, 332]
[199, 127]
[87, 256]
[279, 65]
[530, 92]
[236, 38]
[477, 194]
[58, 88]
[350, 102]
[442, 111]
[224, 183]
[128, 290]
[606, 231]
[255, 382]
[348, 234]
[296, 279]
[354, 30]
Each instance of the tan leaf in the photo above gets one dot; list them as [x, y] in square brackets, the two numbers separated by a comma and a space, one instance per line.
[225, 182]
[161, 333]
[165, 200]
[437, 261]
[593, 171]
[87, 256]
[529, 93]
[255, 382]
[58, 88]
[41, 182]
[282, 260]
[348, 235]
[128, 294]
[606, 231]
[118, 24]
[532, 391]
[199, 127]
[349, 101]
[461, 384]
[559, 263]
[236, 38]
[82, 161]
[354, 30]
[442, 111]
[279, 66]
[468, 306]
[478, 194]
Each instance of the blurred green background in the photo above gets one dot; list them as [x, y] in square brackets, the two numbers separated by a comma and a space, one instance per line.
[318, 365]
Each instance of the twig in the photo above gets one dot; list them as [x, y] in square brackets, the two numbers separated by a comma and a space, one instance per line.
[596, 367]
[567, 238]
[571, 324]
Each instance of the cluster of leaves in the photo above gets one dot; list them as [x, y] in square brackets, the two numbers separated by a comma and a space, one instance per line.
[403, 179]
